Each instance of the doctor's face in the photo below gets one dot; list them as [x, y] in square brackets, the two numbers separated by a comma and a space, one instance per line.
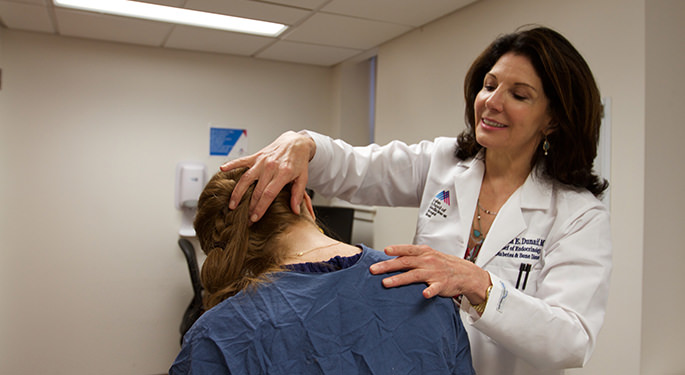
[511, 109]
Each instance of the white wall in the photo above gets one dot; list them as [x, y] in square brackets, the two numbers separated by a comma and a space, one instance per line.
[93, 280]
[351, 97]
[420, 96]
[5, 286]
[664, 255]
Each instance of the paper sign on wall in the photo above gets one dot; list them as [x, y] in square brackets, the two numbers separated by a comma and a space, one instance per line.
[231, 143]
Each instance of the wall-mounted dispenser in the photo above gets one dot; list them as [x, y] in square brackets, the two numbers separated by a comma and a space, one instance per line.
[191, 178]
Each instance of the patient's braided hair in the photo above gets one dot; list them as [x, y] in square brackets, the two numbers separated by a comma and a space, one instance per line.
[239, 254]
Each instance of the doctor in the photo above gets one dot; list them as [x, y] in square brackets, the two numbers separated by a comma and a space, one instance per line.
[509, 220]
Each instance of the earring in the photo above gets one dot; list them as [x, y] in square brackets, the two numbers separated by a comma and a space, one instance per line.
[545, 146]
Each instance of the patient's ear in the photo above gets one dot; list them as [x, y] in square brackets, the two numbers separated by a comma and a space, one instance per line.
[308, 204]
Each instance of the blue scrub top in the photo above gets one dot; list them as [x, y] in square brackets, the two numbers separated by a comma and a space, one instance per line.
[340, 322]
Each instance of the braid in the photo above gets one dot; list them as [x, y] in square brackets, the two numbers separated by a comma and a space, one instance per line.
[239, 254]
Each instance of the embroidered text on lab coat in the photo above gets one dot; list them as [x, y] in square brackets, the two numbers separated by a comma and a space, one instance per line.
[523, 248]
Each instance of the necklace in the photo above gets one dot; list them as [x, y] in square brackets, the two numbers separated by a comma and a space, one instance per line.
[484, 210]
[478, 238]
[301, 253]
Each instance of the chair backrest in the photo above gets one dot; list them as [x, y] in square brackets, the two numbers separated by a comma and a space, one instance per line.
[195, 308]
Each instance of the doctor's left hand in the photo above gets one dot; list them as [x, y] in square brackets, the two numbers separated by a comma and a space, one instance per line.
[446, 275]
[283, 161]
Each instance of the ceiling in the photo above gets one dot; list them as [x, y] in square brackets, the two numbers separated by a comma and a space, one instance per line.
[321, 32]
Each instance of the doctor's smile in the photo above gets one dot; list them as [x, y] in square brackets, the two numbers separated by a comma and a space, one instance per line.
[491, 124]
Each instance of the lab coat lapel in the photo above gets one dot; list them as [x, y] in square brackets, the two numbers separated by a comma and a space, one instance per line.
[510, 221]
[466, 188]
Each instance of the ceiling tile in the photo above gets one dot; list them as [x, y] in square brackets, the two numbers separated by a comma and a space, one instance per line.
[322, 32]
[250, 9]
[170, 3]
[405, 12]
[25, 16]
[198, 39]
[111, 28]
[306, 4]
[343, 31]
[307, 53]
[37, 2]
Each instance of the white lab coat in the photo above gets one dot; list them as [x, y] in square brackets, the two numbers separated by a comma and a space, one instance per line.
[562, 233]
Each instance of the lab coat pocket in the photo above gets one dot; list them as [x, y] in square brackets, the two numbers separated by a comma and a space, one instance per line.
[519, 262]
[522, 274]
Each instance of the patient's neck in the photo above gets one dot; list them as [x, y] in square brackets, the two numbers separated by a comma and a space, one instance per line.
[304, 242]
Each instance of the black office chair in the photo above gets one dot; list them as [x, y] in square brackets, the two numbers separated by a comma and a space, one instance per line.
[195, 308]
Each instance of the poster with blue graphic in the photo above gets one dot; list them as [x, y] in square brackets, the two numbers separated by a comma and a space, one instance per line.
[227, 142]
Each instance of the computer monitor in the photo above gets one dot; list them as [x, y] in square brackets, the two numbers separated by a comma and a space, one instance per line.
[337, 221]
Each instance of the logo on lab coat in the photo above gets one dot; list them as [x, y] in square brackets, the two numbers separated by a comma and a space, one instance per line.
[444, 196]
[439, 204]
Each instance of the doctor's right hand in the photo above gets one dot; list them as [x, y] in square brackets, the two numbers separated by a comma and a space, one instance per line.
[446, 275]
[285, 160]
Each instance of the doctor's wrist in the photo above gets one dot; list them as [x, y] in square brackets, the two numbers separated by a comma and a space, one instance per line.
[481, 306]
[478, 291]
[310, 143]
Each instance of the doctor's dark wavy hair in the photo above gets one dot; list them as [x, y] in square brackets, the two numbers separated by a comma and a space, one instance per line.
[239, 254]
[574, 104]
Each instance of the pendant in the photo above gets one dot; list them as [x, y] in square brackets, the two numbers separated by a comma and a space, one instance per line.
[477, 233]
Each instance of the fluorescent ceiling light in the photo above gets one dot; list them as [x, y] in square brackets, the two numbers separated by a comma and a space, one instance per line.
[181, 16]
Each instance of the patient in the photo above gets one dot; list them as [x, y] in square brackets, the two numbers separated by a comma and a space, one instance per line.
[283, 298]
